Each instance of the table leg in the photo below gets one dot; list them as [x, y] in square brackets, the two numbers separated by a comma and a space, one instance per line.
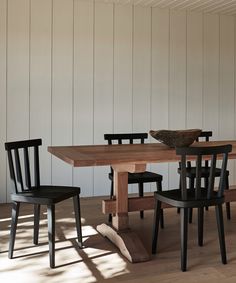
[121, 221]
[127, 241]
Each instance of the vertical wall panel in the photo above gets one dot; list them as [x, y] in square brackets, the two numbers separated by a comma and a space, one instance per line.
[211, 74]
[3, 97]
[194, 70]
[141, 69]
[234, 172]
[103, 86]
[226, 81]
[83, 88]
[18, 71]
[194, 102]
[62, 82]
[123, 69]
[177, 94]
[226, 89]
[160, 79]
[40, 81]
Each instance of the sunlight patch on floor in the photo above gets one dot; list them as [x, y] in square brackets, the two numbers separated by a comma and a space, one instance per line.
[93, 252]
[19, 217]
[5, 219]
[37, 271]
[89, 231]
[111, 265]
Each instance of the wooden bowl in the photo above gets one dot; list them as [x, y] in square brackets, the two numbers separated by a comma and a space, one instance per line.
[178, 138]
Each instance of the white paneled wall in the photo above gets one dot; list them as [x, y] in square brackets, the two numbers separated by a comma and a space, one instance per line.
[3, 97]
[72, 70]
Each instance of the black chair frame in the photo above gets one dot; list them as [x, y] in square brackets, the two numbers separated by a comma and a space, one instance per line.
[191, 174]
[199, 197]
[26, 192]
[134, 178]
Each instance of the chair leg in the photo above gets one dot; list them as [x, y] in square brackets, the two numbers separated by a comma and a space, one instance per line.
[14, 220]
[184, 237]
[51, 234]
[140, 190]
[36, 223]
[159, 188]
[220, 226]
[111, 196]
[200, 225]
[155, 229]
[76, 201]
[227, 204]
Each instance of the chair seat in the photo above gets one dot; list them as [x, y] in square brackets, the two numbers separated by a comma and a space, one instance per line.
[144, 177]
[174, 198]
[46, 195]
[205, 172]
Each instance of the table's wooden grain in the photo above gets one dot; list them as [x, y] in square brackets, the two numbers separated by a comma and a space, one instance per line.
[124, 158]
[98, 155]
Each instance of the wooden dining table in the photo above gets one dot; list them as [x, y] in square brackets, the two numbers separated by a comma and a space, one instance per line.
[123, 159]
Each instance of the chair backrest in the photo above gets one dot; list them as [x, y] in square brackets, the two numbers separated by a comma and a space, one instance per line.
[211, 153]
[130, 137]
[120, 138]
[18, 159]
[205, 136]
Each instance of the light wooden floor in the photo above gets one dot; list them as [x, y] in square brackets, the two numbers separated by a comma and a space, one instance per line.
[100, 261]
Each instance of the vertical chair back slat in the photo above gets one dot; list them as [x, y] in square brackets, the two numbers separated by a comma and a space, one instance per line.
[27, 168]
[223, 176]
[12, 170]
[212, 176]
[183, 178]
[198, 176]
[18, 169]
[36, 166]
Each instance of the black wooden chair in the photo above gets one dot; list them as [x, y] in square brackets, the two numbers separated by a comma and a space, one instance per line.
[134, 178]
[26, 192]
[191, 174]
[198, 197]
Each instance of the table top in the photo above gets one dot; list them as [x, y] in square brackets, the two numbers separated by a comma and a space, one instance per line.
[99, 155]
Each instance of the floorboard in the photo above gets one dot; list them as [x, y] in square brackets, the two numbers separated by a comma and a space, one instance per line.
[100, 261]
